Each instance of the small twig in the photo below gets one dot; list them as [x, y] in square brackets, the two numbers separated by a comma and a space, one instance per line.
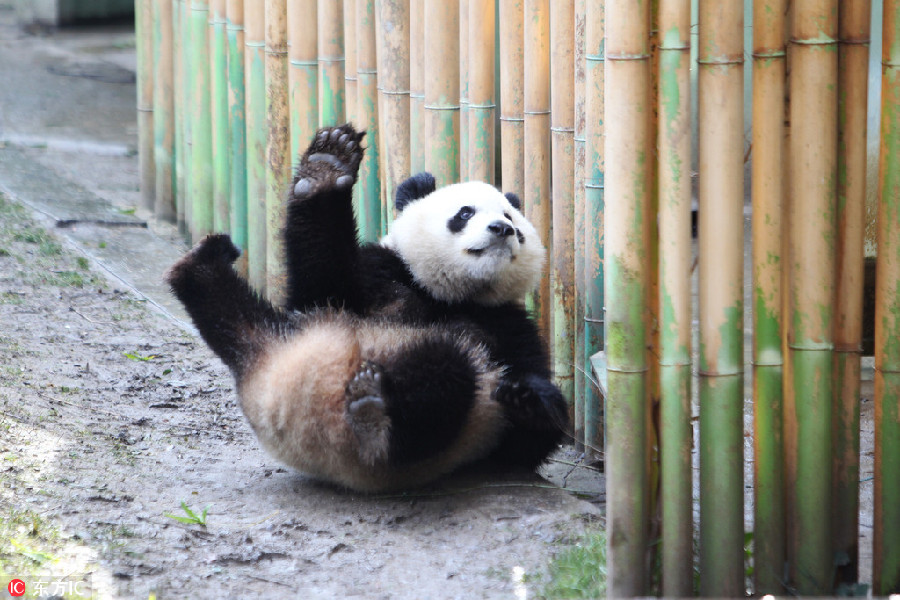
[89, 320]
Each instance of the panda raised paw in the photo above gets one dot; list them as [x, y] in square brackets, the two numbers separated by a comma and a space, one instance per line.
[367, 413]
[214, 249]
[332, 160]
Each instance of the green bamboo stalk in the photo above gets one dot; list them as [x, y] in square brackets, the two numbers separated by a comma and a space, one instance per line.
[221, 161]
[201, 123]
[627, 123]
[237, 128]
[278, 145]
[163, 110]
[579, 218]
[416, 85]
[349, 19]
[255, 120]
[675, 261]
[144, 28]
[367, 116]
[442, 91]
[720, 96]
[813, 159]
[594, 199]
[853, 63]
[769, 549]
[562, 131]
[464, 76]
[188, 58]
[180, 108]
[392, 51]
[886, 567]
[303, 72]
[481, 104]
[332, 97]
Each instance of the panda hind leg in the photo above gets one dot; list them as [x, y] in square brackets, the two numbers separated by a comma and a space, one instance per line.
[367, 413]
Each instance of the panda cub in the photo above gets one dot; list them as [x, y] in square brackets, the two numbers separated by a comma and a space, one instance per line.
[393, 363]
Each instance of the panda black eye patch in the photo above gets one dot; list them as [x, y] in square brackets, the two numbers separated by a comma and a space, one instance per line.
[460, 219]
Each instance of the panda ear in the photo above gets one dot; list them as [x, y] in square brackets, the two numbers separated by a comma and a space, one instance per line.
[416, 187]
[514, 200]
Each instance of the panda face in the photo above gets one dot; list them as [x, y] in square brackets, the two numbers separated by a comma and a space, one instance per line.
[467, 242]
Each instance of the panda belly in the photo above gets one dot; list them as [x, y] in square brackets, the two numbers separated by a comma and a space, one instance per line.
[372, 405]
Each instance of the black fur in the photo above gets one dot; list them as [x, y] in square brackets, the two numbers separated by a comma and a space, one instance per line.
[416, 187]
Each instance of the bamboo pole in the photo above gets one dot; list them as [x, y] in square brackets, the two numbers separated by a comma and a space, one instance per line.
[237, 128]
[393, 50]
[278, 144]
[813, 150]
[201, 123]
[481, 103]
[255, 120]
[626, 119]
[303, 67]
[144, 28]
[579, 217]
[367, 117]
[330, 39]
[163, 110]
[594, 198]
[768, 363]
[349, 19]
[221, 164]
[562, 131]
[886, 567]
[536, 193]
[853, 67]
[512, 97]
[180, 57]
[720, 96]
[442, 91]
[188, 58]
[464, 88]
[675, 256]
[416, 85]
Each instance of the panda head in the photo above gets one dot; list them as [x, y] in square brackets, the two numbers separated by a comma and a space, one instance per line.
[466, 241]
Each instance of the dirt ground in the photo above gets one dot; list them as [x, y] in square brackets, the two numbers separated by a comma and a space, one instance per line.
[111, 415]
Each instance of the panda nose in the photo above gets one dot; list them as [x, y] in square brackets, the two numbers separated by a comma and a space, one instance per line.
[501, 229]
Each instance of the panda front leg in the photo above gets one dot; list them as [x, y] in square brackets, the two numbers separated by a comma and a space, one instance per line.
[538, 418]
[235, 322]
[320, 236]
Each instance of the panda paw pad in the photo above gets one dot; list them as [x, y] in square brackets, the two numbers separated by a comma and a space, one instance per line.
[367, 413]
[332, 160]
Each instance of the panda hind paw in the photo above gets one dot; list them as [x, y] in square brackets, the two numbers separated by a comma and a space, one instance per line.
[367, 413]
[332, 160]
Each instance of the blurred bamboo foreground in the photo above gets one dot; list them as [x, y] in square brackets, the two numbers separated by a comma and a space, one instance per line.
[616, 133]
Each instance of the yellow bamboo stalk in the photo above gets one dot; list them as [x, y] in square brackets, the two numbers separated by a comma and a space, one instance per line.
[369, 186]
[417, 52]
[278, 145]
[482, 106]
[218, 68]
[392, 50]
[768, 257]
[164, 110]
[627, 124]
[512, 97]
[255, 98]
[562, 126]
[442, 91]
[179, 108]
[853, 63]
[144, 36]
[332, 97]
[720, 96]
[536, 193]
[350, 66]
[303, 72]
[579, 219]
[464, 89]
[675, 262]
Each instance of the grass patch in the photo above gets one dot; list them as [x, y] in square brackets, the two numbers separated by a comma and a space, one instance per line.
[579, 571]
[189, 517]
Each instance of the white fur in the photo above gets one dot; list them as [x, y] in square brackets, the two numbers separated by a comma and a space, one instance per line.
[443, 262]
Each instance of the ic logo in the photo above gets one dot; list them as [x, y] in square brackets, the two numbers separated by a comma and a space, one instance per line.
[16, 588]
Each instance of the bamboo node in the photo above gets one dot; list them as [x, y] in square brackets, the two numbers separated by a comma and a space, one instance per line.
[811, 346]
[436, 107]
[563, 129]
[255, 44]
[536, 112]
[627, 56]
[769, 54]
[678, 47]
[735, 373]
[482, 106]
[627, 369]
[304, 63]
[512, 119]
[387, 92]
[721, 61]
[825, 41]
[766, 363]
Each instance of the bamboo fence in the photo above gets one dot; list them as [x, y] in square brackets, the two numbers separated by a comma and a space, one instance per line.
[584, 109]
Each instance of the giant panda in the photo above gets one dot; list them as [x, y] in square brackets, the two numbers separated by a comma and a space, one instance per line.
[390, 363]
